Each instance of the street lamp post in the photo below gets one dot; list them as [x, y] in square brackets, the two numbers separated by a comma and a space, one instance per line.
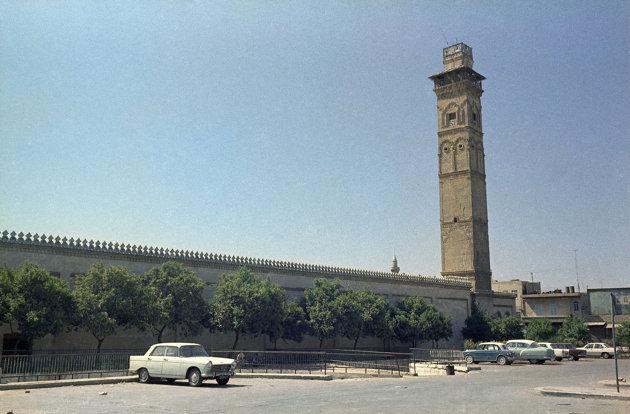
[612, 313]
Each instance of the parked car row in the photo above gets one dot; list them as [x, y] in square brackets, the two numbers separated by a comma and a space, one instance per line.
[534, 352]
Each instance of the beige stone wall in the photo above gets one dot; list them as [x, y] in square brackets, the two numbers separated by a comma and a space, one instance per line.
[517, 287]
[448, 297]
[494, 302]
[549, 305]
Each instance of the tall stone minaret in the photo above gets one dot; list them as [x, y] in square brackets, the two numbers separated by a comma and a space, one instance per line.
[463, 211]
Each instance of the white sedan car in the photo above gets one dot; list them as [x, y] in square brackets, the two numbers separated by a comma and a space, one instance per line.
[177, 360]
[598, 349]
[558, 349]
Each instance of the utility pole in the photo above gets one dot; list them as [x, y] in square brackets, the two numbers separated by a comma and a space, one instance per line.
[612, 313]
[577, 277]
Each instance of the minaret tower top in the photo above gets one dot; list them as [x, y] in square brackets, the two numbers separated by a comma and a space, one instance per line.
[395, 268]
[457, 56]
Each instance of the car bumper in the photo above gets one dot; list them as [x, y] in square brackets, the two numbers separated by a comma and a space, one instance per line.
[213, 373]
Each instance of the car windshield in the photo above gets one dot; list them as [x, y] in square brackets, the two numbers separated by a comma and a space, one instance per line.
[534, 345]
[188, 351]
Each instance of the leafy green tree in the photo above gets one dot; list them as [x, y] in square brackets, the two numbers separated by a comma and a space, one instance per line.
[540, 329]
[373, 311]
[506, 327]
[574, 330]
[322, 309]
[41, 304]
[477, 325]
[244, 305]
[294, 324]
[623, 333]
[271, 311]
[383, 328]
[437, 326]
[360, 314]
[348, 310]
[175, 296]
[7, 292]
[107, 298]
[415, 321]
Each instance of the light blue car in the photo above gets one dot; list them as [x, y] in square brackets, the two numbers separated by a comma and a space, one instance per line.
[489, 352]
[531, 351]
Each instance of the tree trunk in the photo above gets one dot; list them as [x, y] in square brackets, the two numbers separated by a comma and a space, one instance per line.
[275, 344]
[98, 347]
[160, 332]
[321, 341]
[235, 340]
[355, 342]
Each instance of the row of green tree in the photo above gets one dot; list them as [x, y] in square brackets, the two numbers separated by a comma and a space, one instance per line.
[170, 296]
[479, 326]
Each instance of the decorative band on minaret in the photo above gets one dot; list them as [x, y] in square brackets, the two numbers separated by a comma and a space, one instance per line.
[463, 208]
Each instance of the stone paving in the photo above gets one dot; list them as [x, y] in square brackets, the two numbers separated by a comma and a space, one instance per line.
[493, 389]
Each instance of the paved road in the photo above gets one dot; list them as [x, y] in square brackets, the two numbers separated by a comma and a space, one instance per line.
[494, 389]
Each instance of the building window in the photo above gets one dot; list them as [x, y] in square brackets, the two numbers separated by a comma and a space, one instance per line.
[538, 309]
[451, 118]
[553, 309]
[576, 306]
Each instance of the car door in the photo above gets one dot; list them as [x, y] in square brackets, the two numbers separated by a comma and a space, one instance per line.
[491, 353]
[589, 349]
[598, 349]
[480, 353]
[155, 361]
[172, 362]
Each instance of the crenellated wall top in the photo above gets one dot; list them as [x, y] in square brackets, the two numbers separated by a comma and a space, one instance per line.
[77, 244]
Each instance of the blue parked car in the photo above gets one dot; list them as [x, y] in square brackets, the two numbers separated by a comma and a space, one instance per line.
[490, 352]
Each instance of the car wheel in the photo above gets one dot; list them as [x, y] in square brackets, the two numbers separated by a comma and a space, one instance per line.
[531, 361]
[143, 375]
[540, 361]
[576, 358]
[558, 359]
[223, 381]
[501, 360]
[605, 355]
[470, 359]
[194, 377]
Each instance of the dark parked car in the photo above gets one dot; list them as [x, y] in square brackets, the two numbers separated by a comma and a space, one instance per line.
[489, 352]
[574, 353]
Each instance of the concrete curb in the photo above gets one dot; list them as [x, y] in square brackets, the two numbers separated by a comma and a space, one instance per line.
[29, 385]
[611, 383]
[342, 375]
[583, 393]
[320, 377]
[65, 383]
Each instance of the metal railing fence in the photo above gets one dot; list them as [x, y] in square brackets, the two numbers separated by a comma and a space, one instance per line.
[84, 363]
[437, 355]
[56, 366]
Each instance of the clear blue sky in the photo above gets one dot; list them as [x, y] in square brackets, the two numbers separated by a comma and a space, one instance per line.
[306, 131]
